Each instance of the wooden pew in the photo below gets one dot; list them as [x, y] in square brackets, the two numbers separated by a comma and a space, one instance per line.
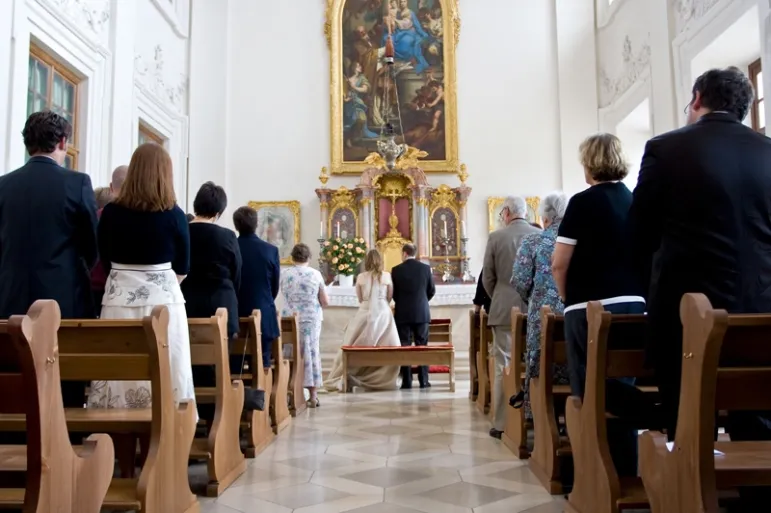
[279, 406]
[726, 367]
[597, 487]
[483, 367]
[290, 331]
[550, 450]
[473, 350]
[57, 478]
[134, 350]
[354, 356]
[515, 430]
[222, 449]
[259, 433]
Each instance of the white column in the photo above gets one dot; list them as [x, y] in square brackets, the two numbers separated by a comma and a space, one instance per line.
[577, 65]
[123, 30]
[764, 15]
[6, 42]
[664, 107]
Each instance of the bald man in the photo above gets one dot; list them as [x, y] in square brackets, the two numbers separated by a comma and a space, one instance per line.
[98, 276]
[118, 177]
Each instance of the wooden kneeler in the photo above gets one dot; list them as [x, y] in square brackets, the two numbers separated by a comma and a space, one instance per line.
[290, 337]
[259, 433]
[483, 369]
[135, 350]
[473, 350]
[58, 478]
[549, 449]
[515, 430]
[597, 487]
[726, 366]
[222, 449]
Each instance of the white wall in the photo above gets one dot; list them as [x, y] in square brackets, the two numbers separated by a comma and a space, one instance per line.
[278, 105]
[125, 76]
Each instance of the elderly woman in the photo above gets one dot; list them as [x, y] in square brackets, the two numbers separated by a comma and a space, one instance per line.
[591, 264]
[305, 296]
[533, 280]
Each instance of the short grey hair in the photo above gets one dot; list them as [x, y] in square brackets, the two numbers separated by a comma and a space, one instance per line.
[553, 205]
[516, 205]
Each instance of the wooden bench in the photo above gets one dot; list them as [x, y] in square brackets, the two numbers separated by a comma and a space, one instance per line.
[550, 450]
[290, 338]
[279, 405]
[473, 350]
[515, 430]
[354, 356]
[133, 350]
[483, 367]
[726, 367]
[57, 477]
[257, 424]
[597, 487]
[222, 449]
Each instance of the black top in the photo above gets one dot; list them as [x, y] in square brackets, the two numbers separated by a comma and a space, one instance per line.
[144, 238]
[413, 289]
[481, 298]
[215, 273]
[260, 277]
[595, 223]
[703, 207]
[47, 239]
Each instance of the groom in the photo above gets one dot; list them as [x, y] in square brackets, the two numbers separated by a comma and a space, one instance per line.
[413, 289]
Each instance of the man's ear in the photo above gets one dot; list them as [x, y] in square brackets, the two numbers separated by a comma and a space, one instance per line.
[696, 103]
[62, 144]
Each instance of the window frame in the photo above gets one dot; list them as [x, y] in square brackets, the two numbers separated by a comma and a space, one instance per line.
[754, 69]
[143, 130]
[57, 67]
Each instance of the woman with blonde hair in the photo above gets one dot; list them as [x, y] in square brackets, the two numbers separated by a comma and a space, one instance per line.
[372, 326]
[144, 245]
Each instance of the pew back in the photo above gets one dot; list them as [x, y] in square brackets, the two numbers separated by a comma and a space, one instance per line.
[290, 339]
[515, 431]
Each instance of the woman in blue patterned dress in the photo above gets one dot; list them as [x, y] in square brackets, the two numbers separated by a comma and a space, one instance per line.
[305, 296]
[533, 280]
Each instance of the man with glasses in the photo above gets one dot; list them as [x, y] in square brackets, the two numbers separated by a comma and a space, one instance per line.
[502, 246]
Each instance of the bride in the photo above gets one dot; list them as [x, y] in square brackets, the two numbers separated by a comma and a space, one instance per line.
[373, 326]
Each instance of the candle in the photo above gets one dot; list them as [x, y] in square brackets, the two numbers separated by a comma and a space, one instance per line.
[463, 228]
[321, 229]
[445, 229]
[338, 229]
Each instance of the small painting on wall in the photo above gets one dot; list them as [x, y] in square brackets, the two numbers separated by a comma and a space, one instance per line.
[278, 222]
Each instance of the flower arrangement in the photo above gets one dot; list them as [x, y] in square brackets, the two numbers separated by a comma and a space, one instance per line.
[344, 255]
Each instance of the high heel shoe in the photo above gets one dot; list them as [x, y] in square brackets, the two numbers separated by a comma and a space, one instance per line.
[517, 401]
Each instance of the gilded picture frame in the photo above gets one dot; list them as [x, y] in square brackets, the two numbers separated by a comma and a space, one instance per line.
[495, 204]
[278, 222]
[333, 30]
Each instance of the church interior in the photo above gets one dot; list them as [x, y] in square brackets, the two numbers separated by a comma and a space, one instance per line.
[371, 124]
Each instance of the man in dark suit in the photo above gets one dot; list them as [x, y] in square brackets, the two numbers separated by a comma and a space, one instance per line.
[701, 222]
[413, 289]
[260, 274]
[47, 230]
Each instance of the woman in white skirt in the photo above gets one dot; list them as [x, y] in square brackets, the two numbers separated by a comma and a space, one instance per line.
[144, 245]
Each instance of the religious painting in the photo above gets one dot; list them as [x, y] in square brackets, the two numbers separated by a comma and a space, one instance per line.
[278, 222]
[342, 223]
[444, 225]
[418, 89]
[495, 214]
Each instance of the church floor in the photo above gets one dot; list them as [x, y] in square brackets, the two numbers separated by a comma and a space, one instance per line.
[387, 452]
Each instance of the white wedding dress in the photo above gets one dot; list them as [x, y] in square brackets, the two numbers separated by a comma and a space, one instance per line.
[373, 326]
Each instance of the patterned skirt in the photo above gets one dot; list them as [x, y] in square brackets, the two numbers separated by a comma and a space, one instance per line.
[131, 292]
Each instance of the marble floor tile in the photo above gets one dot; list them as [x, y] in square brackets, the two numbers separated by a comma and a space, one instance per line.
[418, 451]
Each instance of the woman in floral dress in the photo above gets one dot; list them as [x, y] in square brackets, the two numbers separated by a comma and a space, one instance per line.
[305, 296]
[533, 280]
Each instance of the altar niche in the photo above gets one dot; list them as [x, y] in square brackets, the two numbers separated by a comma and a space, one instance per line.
[391, 208]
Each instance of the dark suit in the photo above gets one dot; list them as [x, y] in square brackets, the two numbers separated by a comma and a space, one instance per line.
[260, 275]
[701, 222]
[47, 243]
[413, 289]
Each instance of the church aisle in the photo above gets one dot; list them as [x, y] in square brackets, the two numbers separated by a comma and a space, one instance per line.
[387, 452]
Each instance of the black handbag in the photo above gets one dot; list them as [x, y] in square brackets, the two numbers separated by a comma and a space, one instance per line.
[254, 398]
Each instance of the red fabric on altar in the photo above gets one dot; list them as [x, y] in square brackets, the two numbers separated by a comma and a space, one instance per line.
[402, 212]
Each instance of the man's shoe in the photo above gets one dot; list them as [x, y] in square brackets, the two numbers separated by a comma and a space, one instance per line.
[405, 387]
[425, 385]
[495, 433]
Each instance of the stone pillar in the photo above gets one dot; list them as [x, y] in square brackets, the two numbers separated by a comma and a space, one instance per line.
[366, 216]
[323, 195]
[420, 206]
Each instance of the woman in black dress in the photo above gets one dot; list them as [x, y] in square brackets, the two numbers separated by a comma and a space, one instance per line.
[215, 260]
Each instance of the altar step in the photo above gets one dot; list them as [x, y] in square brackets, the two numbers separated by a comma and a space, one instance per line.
[461, 363]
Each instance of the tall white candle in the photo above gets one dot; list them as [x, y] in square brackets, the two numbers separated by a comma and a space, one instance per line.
[463, 229]
[321, 229]
[445, 228]
[338, 229]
